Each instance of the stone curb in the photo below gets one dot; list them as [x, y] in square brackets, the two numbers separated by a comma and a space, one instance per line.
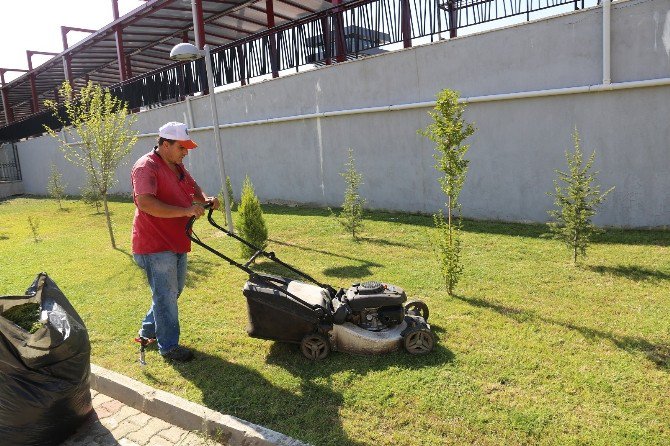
[185, 414]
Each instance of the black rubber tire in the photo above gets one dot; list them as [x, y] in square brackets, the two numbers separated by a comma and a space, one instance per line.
[315, 346]
[417, 308]
[419, 341]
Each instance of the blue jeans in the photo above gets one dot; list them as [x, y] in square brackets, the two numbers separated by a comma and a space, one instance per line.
[166, 273]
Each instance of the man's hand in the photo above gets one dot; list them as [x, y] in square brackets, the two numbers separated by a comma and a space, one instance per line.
[215, 202]
[195, 211]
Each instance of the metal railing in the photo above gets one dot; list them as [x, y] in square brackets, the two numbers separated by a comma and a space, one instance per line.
[10, 169]
[347, 31]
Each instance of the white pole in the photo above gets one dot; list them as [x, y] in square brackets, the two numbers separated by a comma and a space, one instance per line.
[607, 76]
[217, 137]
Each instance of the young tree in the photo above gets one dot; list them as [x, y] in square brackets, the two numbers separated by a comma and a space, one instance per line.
[576, 197]
[56, 186]
[34, 224]
[351, 217]
[250, 223]
[90, 195]
[448, 131]
[101, 135]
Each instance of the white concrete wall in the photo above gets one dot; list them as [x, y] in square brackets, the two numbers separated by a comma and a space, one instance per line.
[9, 188]
[513, 154]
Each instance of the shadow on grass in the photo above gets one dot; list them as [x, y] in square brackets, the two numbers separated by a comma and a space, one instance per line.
[310, 414]
[362, 269]
[199, 269]
[384, 242]
[659, 237]
[123, 251]
[659, 354]
[635, 273]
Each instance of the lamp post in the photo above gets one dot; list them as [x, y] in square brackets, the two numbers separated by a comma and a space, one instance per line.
[188, 52]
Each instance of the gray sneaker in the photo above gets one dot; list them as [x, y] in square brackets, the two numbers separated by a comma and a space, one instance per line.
[179, 354]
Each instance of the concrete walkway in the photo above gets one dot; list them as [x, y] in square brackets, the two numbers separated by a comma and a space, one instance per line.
[114, 423]
[129, 413]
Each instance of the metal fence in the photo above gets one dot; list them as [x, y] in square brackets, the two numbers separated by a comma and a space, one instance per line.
[347, 31]
[10, 169]
[336, 34]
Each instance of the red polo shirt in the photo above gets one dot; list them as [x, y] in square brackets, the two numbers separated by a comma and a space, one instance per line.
[152, 175]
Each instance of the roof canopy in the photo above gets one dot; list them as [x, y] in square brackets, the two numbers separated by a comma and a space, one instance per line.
[146, 36]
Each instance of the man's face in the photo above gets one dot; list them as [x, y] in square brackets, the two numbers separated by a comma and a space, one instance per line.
[173, 153]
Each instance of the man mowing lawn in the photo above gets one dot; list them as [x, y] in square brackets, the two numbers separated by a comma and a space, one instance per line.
[165, 196]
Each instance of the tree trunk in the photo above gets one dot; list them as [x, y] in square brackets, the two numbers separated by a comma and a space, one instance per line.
[109, 221]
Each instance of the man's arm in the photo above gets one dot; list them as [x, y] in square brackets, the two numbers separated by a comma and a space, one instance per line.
[200, 197]
[153, 206]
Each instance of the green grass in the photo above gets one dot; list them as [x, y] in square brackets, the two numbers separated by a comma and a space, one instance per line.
[533, 350]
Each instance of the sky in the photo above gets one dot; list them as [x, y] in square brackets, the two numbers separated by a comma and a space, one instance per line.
[35, 25]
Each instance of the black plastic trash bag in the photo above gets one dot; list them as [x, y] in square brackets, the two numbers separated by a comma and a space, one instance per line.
[45, 391]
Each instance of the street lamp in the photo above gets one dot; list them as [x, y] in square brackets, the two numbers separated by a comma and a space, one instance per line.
[187, 52]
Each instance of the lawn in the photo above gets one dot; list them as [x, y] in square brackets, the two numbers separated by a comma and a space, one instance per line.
[532, 350]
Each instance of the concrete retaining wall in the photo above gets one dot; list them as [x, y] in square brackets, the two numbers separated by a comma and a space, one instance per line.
[513, 154]
[9, 188]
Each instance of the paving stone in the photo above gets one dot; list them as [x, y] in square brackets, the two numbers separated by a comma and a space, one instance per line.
[99, 399]
[159, 424]
[146, 432]
[173, 434]
[107, 440]
[160, 441]
[139, 419]
[94, 429]
[112, 406]
[127, 413]
[126, 442]
[123, 429]
[102, 412]
[193, 439]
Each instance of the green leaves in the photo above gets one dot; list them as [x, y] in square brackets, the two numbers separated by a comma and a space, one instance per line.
[576, 197]
[98, 138]
[351, 217]
[448, 130]
[250, 222]
[56, 186]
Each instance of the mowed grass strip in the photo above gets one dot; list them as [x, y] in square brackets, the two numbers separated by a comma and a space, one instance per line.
[532, 350]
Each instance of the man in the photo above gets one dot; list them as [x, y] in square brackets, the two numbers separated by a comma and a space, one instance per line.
[165, 196]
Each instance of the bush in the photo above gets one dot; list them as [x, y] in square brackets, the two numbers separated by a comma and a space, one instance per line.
[90, 194]
[250, 223]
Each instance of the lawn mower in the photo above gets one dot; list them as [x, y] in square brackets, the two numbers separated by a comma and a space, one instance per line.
[367, 318]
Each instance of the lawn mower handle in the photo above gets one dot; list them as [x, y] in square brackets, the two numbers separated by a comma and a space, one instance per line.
[258, 252]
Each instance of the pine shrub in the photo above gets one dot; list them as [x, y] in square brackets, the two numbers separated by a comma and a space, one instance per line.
[250, 223]
[351, 217]
[576, 197]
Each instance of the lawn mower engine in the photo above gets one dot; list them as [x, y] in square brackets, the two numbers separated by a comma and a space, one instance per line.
[373, 317]
[373, 306]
